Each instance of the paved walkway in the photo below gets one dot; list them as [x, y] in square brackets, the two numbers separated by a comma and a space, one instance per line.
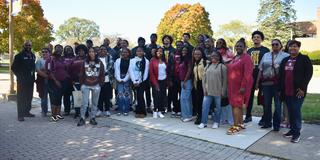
[37, 138]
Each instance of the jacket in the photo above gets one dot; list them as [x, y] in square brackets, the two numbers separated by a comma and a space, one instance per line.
[154, 71]
[23, 67]
[117, 72]
[135, 72]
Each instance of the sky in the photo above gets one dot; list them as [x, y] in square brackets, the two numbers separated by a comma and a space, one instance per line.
[133, 18]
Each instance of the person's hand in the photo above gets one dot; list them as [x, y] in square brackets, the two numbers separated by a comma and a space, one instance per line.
[242, 90]
[300, 93]
[257, 86]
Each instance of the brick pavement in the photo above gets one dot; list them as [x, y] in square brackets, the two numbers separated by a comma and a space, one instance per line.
[37, 138]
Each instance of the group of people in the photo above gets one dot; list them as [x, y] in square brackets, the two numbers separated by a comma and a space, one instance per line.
[190, 82]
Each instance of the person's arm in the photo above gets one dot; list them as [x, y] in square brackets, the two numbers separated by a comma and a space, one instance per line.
[189, 72]
[101, 74]
[308, 72]
[16, 65]
[224, 80]
[153, 79]
[117, 71]
[131, 71]
[204, 82]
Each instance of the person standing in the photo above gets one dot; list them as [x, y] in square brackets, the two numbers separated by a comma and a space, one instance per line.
[158, 78]
[68, 56]
[223, 49]
[295, 74]
[23, 67]
[239, 84]
[268, 77]
[186, 37]
[256, 53]
[153, 45]
[209, 47]
[42, 80]
[91, 79]
[104, 102]
[139, 71]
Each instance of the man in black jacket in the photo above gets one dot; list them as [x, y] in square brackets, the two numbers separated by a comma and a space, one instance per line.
[295, 73]
[24, 68]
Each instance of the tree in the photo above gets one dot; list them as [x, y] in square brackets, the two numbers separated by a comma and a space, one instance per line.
[77, 30]
[275, 17]
[29, 24]
[183, 18]
[233, 31]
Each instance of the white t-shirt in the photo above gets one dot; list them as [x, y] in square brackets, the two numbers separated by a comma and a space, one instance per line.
[162, 74]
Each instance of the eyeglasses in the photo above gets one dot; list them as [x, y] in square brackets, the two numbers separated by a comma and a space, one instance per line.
[275, 44]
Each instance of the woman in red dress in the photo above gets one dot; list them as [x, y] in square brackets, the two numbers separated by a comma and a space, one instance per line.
[239, 84]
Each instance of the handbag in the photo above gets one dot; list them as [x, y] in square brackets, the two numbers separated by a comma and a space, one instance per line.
[224, 100]
[77, 97]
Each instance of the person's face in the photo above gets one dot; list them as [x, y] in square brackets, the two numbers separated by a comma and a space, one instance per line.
[200, 38]
[119, 42]
[179, 46]
[184, 51]
[153, 38]
[106, 42]
[166, 40]
[294, 49]
[239, 47]
[159, 53]
[58, 49]
[276, 46]
[153, 52]
[186, 38]
[45, 54]
[125, 54]
[69, 50]
[27, 46]
[81, 52]
[124, 44]
[141, 43]
[103, 51]
[92, 54]
[219, 43]
[215, 58]
[140, 52]
[197, 55]
[256, 39]
[207, 43]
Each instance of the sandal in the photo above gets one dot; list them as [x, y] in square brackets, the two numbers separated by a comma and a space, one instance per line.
[242, 126]
[233, 130]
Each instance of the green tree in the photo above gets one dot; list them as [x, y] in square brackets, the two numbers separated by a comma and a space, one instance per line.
[29, 24]
[77, 30]
[275, 19]
[182, 18]
[233, 31]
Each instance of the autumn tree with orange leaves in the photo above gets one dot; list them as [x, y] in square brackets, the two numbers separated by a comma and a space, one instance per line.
[29, 24]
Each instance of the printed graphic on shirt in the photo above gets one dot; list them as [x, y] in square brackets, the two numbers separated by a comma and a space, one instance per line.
[290, 65]
[166, 54]
[255, 57]
[92, 70]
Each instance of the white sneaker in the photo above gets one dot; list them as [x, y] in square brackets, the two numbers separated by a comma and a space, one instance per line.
[215, 125]
[155, 115]
[98, 114]
[107, 113]
[187, 119]
[179, 114]
[201, 125]
[160, 115]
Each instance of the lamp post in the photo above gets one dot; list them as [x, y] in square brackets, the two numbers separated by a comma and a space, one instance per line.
[12, 91]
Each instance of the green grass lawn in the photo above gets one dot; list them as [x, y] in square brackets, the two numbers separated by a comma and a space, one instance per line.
[310, 109]
[4, 69]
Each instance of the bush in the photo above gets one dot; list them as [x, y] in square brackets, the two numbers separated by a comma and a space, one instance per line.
[314, 55]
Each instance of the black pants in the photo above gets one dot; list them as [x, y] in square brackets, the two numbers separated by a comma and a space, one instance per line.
[24, 98]
[173, 96]
[197, 97]
[141, 106]
[148, 93]
[159, 96]
[105, 96]
[66, 96]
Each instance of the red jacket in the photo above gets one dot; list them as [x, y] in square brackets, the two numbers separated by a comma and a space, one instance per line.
[153, 71]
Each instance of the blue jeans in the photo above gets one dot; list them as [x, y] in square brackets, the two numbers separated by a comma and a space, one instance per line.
[226, 114]
[44, 99]
[207, 101]
[294, 105]
[95, 91]
[186, 100]
[269, 92]
[124, 94]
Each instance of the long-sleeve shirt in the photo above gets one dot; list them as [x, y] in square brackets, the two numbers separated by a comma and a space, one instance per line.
[214, 81]
[92, 73]
[24, 67]
[117, 71]
[135, 70]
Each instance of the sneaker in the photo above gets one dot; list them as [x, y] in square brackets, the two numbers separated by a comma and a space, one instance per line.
[119, 114]
[98, 114]
[215, 125]
[187, 119]
[198, 121]
[54, 118]
[20, 119]
[295, 139]
[201, 125]
[288, 134]
[93, 121]
[160, 115]
[81, 122]
[155, 115]
[178, 114]
[173, 114]
[125, 114]
[149, 110]
[247, 120]
[59, 116]
[107, 113]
